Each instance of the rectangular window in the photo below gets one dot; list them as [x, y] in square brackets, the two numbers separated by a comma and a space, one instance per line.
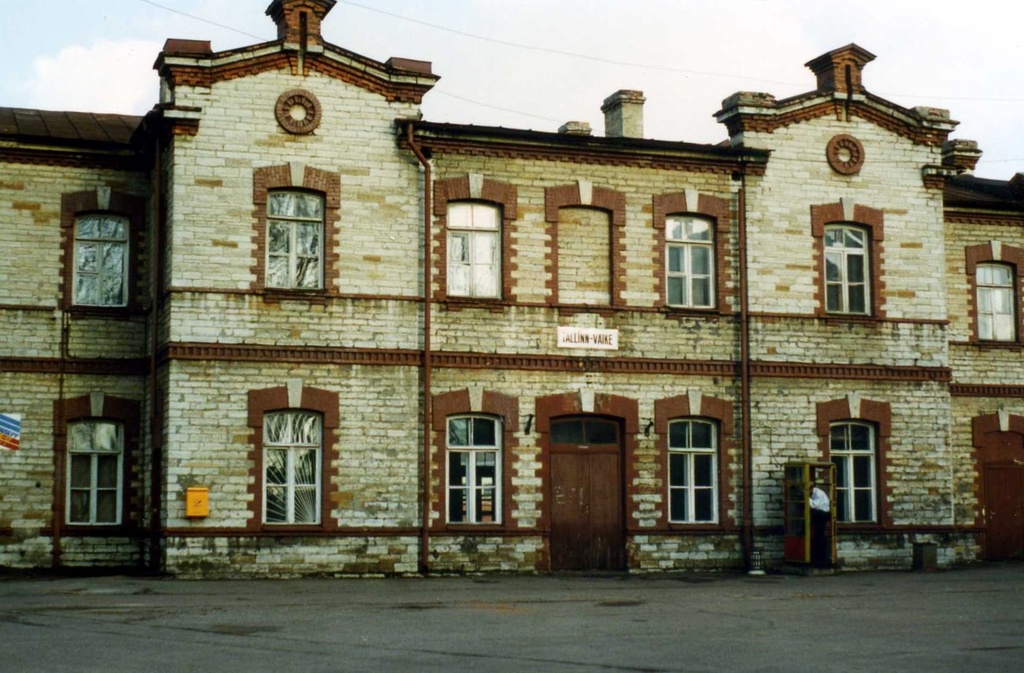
[692, 472]
[689, 262]
[852, 448]
[101, 260]
[996, 303]
[295, 225]
[95, 466]
[474, 470]
[474, 250]
[847, 278]
[292, 449]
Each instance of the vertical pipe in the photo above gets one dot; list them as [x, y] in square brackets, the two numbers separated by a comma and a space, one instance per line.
[155, 415]
[427, 364]
[748, 487]
[60, 444]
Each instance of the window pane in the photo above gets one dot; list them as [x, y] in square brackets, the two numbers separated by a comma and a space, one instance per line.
[834, 300]
[700, 260]
[277, 508]
[277, 466]
[106, 506]
[862, 471]
[676, 292]
[484, 432]
[456, 505]
[677, 469]
[702, 435]
[854, 238]
[485, 216]
[702, 469]
[88, 257]
[307, 273]
[81, 471]
[842, 476]
[277, 271]
[486, 469]
[703, 505]
[88, 227]
[674, 229]
[1002, 328]
[308, 239]
[306, 509]
[985, 299]
[485, 505]
[295, 204]
[1001, 301]
[833, 238]
[601, 432]
[837, 438]
[112, 228]
[702, 292]
[305, 467]
[484, 248]
[857, 299]
[567, 432]
[833, 267]
[862, 506]
[279, 240]
[485, 283]
[87, 290]
[676, 259]
[698, 230]
[106, 471]
[679, 435]
[677, 505]
[458, 280]
[458, 468]
[860, 438]
[855, 268]
[458, 432]
[458, 248]
[79, 505]
[985, 330]
[842, 513]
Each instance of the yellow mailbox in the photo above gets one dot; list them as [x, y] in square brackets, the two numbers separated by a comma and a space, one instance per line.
[197, 502]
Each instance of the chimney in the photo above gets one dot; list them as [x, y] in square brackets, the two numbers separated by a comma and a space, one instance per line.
[963, 155]
[840, 69]
[575, 129]
[298, 21]
[1017, 186]
[624, 114]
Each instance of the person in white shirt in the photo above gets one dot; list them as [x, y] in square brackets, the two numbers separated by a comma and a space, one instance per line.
[821, 517]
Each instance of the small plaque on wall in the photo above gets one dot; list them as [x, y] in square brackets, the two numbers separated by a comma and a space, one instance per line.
[589, 338]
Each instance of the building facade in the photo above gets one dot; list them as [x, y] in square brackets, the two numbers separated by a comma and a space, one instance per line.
[281, 325]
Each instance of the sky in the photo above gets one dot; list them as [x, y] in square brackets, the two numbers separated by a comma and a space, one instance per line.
[535, 64]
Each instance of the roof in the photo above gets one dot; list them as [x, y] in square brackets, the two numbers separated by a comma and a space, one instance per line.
[77, 128]
[968, 191]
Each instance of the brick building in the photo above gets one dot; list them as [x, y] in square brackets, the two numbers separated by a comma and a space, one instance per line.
[281, 325]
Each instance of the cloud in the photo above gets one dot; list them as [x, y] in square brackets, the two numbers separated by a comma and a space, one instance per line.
[108, 76]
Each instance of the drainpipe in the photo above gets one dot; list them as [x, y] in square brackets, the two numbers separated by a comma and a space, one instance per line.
[60, 441]
[427, 363]
[155, 413]
[748, 470]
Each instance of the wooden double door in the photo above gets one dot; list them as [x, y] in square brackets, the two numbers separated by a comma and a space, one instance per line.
[587, 507]
[1003, 477]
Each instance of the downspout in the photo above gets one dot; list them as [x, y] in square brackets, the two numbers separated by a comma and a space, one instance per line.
[427, 353]
[60, 442]
[155, 414]
[748, 487]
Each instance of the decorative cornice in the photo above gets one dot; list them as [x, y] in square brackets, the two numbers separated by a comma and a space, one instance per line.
[855, 372]
[985, 390]
[38, 156]
[303, 354]
[93, 366]
[953, 216]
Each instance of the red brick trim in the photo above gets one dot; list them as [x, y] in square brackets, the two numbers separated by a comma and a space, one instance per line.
[986, 450]
[501, 194]
[879, 414]
[997, 219]
[568, 404]
[124, 411]
[985, 390]
[75, 204]
[717, 210]
[611, 201]
[1011, 256]
[324, 402]
[457, 402]
[718, 410]
[871, 219]
[326, 183]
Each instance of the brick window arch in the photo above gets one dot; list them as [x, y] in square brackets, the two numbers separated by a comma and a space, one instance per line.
[834, 419]
[475, 189]
[829, 219]
[995, 256]
[716, 211]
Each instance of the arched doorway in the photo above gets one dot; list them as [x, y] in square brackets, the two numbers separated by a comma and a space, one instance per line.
[586, 494]
[1000, 450]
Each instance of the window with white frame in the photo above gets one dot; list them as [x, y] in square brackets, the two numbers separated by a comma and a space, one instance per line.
[995, 303]
[847, 277]
[474, 250]
[693, 471]
[101, 260]
[852, 449]
[295, 229]
[95, 472]
[291, 459]
[690, 262]
[474, 469]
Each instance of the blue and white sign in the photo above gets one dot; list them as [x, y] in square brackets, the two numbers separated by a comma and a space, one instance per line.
[10, 431]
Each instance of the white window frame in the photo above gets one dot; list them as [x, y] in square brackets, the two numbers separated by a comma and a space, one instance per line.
[845, 457]
[689, 454]
[101, 272]
[841, 255]
[990, 328]
[682, 237]
[293, 223]
[292, 448]
[472, 221]
[93, 489]
[470, 488]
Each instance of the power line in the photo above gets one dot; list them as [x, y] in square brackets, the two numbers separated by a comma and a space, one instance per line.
[199, 18]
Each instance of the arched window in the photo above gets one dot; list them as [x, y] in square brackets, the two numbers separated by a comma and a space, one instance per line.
[690, 262]
[95, 472]
[847, 272]
[295, 231]
[292, 443]
[474, 469]
[996, 303]
[852, 447]
[692, 471]
[101, 260]
[474, 250]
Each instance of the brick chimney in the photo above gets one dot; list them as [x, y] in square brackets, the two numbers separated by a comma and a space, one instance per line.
[624, 114]
[840, 69]
[298, 21]
[963, 155]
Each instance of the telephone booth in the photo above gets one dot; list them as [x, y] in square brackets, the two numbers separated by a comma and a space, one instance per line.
[809, 536]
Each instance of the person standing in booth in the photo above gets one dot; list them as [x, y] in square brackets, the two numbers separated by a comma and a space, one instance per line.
[821, 517]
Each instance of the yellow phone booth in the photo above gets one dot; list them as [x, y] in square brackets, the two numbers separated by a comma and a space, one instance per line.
[810, 531]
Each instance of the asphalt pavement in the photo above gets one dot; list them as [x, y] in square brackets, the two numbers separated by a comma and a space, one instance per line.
[955, 620]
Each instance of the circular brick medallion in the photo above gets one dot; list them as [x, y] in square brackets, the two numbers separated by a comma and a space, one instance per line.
[845, 154]
[298, 111]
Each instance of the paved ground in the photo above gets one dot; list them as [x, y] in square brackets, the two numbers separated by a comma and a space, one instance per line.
[959, 620]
